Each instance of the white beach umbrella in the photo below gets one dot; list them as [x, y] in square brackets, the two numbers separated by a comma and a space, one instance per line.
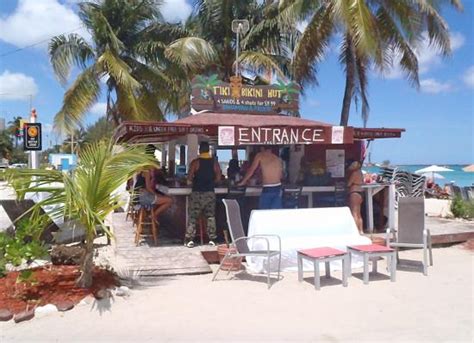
[433, 175]
[433, 169]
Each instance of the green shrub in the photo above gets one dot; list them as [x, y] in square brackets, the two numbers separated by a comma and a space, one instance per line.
[462, 208]
[24, 245]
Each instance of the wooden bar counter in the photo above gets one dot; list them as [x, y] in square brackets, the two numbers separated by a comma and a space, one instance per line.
[176, 217]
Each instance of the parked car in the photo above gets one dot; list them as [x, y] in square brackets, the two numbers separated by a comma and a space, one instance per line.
[19, 165]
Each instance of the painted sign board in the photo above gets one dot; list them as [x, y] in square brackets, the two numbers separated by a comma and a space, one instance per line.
[274, 135]
[209, 93]
[32, 137]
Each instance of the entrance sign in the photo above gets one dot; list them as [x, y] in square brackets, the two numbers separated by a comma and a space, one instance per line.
[209, 93]
[273, 135]
[32, 137]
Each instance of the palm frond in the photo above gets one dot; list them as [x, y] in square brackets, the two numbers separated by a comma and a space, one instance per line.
[259, 62]
[117, 69]
[313, 44]
[191, 53]
[78, 99]
[64, 51]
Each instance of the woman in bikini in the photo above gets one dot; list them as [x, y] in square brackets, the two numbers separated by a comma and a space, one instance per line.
[356, 194]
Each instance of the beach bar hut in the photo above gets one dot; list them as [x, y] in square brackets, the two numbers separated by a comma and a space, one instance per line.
[256, 115]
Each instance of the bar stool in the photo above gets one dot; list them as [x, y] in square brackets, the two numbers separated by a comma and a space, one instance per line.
[145, 217]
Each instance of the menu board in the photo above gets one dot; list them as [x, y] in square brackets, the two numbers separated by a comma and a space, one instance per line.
[335, 159]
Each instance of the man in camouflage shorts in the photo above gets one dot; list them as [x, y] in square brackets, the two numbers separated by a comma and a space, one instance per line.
[204, 171]
[201, 203]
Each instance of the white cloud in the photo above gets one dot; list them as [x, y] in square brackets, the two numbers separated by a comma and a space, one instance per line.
[99, 109]
[427, 54]
[468, 77]
[433, 86]
[16, 86]
[175, 10]
[34, 21]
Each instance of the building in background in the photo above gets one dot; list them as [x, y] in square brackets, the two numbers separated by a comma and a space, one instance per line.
[2, 124]
[63, 162]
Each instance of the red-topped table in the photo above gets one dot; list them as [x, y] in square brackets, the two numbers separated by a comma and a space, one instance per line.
[372, 252]
[326, 255]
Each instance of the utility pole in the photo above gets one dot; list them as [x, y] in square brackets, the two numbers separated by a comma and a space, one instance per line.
[33, 158]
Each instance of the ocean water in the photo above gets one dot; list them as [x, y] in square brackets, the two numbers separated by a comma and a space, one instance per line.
[458, 176]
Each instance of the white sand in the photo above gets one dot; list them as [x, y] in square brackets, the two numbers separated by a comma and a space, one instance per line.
[438, 307]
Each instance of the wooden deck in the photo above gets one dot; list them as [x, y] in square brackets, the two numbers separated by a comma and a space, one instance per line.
[446, 231]
[168, 258]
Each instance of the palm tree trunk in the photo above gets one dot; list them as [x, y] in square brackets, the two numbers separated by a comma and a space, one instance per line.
[87, 264]
[350, 73]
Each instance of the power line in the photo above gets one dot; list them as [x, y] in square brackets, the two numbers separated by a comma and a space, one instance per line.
[38, 43]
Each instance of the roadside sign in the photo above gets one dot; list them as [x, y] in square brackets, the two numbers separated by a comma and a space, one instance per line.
[32, 137]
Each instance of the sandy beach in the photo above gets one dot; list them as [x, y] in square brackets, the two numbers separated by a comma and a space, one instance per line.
[436, 308]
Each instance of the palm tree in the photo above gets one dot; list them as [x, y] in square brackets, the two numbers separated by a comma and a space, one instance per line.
[266, 47]
[14, 129]
[87, 195]
[100, 130]
[6, 146]
[126, 51]
[74, 141]
[373, 33]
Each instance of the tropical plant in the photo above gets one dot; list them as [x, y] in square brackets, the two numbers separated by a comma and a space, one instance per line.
[74, 141]
[14, 129]
[126, 51]
[100, 130]
[265, 49]
[375, 33]
[24, 244]
[88, 194]
[6, 146]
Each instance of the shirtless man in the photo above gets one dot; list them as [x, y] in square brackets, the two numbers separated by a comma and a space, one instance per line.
[272, 172]
[356, 194]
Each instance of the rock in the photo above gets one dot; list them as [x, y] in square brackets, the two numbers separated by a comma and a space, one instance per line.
[65, 305]
[5, 315]
[122, 291]
[66, 255]
[102, 294]
[42, 311]
[25, 315]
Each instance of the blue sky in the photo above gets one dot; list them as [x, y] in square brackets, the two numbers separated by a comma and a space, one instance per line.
[439, 118]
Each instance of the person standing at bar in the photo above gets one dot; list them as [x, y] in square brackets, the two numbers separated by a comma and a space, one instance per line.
[272, 172]
[204, 172]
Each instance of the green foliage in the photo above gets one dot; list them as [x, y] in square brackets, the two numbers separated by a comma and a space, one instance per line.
[88, 194]
[25, 244]
[462, 208]
[374, 34]
[6, 145]
[18, 156]
[128, 38]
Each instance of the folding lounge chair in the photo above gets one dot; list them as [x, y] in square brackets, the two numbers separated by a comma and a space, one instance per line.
[411, 229]
[239, 240]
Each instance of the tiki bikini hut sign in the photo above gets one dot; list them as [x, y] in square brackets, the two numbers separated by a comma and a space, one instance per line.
[209, 93]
